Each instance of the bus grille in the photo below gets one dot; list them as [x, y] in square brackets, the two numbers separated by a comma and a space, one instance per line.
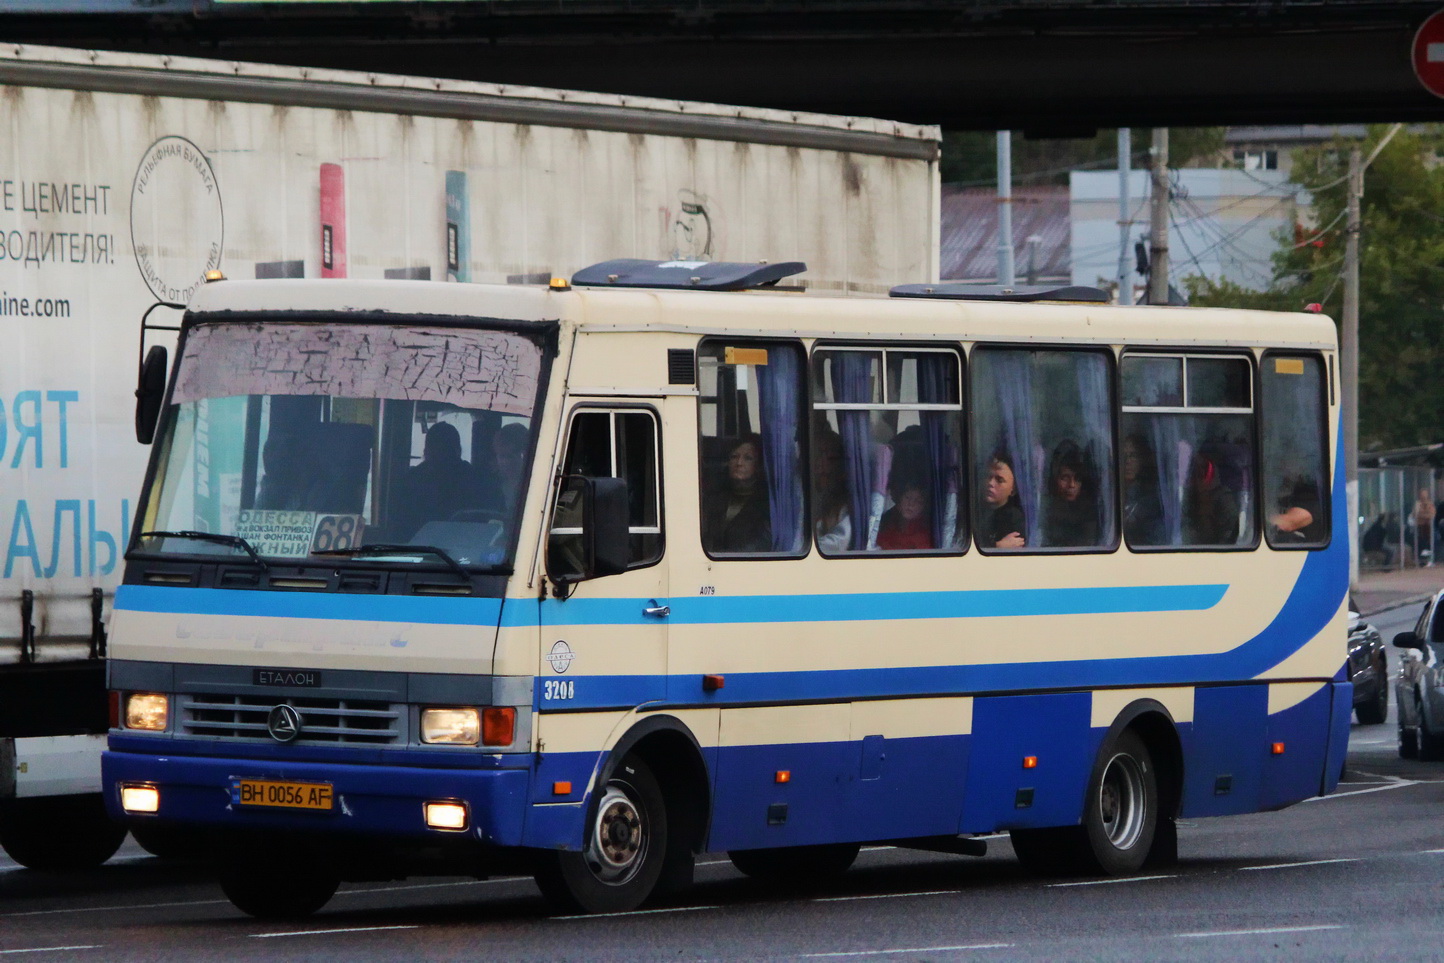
[322, 720]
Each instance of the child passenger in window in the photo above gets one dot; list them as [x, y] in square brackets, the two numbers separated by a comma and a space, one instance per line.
[906, 526]
[1003, 523]
[1072, 514]
[737, 517]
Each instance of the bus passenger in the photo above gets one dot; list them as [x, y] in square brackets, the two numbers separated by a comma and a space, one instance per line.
[1002, 527]
[832, 522]
[737, 517]
[1211, 508]
[1142, 508]
[1072, 513]
[438, 487]
[906, 526]
[1300, 512]
[508, 448]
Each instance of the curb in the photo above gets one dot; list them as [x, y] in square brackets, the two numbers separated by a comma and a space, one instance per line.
[1398, 604]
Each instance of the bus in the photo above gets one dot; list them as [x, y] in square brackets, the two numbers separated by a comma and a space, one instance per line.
[582, 580]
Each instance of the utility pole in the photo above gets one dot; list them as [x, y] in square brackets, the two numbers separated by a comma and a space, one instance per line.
[1158, 229]
[1125, 216]
[1007, 274]
[1349, 357]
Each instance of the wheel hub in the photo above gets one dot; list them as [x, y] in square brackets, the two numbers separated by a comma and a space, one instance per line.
[1121, 801]
[619, 841]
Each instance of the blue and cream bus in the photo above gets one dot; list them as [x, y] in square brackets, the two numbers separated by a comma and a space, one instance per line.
[586, 579]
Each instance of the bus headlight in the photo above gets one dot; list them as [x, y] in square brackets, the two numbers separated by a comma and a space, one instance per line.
[457, 727]
[146, 710]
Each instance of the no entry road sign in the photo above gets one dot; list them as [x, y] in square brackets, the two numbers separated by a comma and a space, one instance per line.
[1428, 54]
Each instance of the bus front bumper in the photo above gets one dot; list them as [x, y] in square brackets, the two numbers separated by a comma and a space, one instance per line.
[364, 800]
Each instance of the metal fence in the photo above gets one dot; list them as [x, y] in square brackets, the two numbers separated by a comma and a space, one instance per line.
[1391, 535]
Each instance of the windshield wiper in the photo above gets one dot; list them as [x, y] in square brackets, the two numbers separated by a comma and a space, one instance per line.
[376, 548]
[234, 541]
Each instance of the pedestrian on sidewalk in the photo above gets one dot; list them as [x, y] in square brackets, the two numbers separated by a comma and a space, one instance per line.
[1424, 528]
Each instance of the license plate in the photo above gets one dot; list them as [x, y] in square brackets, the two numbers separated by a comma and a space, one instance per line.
[285, 795]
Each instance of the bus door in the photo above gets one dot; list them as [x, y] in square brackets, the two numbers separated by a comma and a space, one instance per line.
[604, 646]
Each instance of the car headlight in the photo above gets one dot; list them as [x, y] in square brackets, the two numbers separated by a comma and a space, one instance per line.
[146, 710]
[457, 727]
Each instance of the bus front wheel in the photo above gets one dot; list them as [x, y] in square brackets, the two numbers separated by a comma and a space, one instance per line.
[277, 891]
[626, 845]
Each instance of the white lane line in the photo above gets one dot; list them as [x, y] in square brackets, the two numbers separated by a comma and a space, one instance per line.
[213, 902]
[346, 929]
[1258, 932]
[650, 912]
[1307, 862]
[1430, 852]
[1107, 882]
[52, 949]
[844, 899]
[1399, 784]
[918, 949]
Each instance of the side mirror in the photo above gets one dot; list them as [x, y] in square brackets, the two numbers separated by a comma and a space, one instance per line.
[590, 536]
[150, 393]
[1408, 640]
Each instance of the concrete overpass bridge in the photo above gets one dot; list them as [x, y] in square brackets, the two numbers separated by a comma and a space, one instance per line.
[1049, 67]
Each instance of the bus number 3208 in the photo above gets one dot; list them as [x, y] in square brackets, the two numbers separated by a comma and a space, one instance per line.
[554, 689]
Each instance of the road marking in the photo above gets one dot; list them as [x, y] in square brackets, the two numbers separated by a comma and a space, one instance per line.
[1105, 882]
[1269, 931]
[346, 929]
[1308, 862]
[1430, 852]
[650, 912]
[843, 899]
[919, 949]
[212, 902]
[1395, 782]
[52, 949]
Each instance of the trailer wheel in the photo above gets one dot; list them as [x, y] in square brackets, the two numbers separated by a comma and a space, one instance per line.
[626, 844]
[795, 864]
[59, 832]
[277, 891]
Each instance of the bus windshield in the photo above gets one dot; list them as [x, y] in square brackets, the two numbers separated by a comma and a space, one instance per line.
[305, 438]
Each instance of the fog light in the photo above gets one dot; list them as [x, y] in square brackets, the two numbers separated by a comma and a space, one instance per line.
[140, 799]
[146, 710]
[446, 815]
[457, 727]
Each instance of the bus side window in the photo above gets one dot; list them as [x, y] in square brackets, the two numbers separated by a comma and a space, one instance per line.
[887, 450]
[1188, 432]
[1294, 462]
[615, 443]
[751, 445]
[1043, 449]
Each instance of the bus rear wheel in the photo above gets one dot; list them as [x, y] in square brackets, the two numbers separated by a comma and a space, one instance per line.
[1120, 819]
[795, 864]
[626, 845]
[276, 891]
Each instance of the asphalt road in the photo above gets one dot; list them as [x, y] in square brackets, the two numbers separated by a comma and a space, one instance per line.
[1358, 875]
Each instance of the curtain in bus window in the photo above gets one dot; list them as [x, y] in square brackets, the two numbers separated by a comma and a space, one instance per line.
[1017, 437]
[853, 378]
[779, 386]
[1096, 407]
[937, 384]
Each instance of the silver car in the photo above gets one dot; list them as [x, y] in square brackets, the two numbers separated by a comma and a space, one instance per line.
[1420, 689]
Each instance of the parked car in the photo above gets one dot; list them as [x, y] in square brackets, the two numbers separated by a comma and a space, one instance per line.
[1368, 669]
[1420, 688]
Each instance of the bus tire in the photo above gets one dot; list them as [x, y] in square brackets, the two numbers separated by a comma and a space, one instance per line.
[1120, 817]
[59, 832]
[626, 845]
[795, 864]
[277, 891]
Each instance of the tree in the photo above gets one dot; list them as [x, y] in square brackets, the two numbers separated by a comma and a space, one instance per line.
[1401, 278]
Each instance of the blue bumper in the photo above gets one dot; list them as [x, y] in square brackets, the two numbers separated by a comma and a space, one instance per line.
[369, 800]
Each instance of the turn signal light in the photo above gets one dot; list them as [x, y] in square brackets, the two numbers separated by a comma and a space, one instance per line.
[1030, 762]
[1278, 748]
[498, 726]
[783, 775]
[140, 799]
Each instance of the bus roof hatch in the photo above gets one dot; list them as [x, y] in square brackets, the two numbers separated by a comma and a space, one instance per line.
[958, 291]
[690, 275]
